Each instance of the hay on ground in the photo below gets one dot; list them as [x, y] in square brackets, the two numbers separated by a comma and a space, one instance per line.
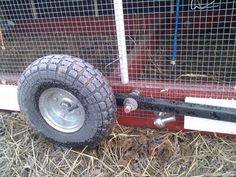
[126, 152]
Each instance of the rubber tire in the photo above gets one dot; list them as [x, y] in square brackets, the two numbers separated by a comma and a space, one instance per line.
[80, 79]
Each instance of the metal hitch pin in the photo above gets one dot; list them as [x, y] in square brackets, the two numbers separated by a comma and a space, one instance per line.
[162, 119]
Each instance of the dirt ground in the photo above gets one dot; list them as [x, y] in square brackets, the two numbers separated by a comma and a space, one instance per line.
[126, 152]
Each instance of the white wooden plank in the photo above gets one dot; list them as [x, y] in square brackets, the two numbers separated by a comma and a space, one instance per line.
[202, 124]
[8, 98]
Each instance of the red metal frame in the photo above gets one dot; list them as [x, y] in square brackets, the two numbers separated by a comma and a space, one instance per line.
[101, 25]
[105, 25]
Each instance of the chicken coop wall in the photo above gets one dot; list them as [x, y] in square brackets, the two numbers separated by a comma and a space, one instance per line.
[200, 36]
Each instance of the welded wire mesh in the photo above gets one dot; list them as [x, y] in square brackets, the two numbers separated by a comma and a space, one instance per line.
[205, 44]
[205, 50]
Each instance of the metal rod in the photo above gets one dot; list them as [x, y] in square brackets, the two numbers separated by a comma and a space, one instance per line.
[173, 57]
[179, 107]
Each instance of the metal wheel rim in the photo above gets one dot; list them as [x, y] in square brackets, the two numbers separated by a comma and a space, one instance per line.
[61, 110]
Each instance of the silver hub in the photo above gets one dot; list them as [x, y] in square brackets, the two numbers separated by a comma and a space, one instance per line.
[61, 110]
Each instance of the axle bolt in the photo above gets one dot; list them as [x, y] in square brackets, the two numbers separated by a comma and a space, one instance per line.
[130, 104]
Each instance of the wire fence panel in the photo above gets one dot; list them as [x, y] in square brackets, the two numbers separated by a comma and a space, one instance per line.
[174, 48]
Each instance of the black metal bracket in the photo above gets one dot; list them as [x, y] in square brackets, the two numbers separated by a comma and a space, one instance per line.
[181, 108]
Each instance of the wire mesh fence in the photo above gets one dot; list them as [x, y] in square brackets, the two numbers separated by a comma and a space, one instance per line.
[199, 36]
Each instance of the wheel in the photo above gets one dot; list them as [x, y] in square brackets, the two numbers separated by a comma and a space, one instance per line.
[67, 101]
